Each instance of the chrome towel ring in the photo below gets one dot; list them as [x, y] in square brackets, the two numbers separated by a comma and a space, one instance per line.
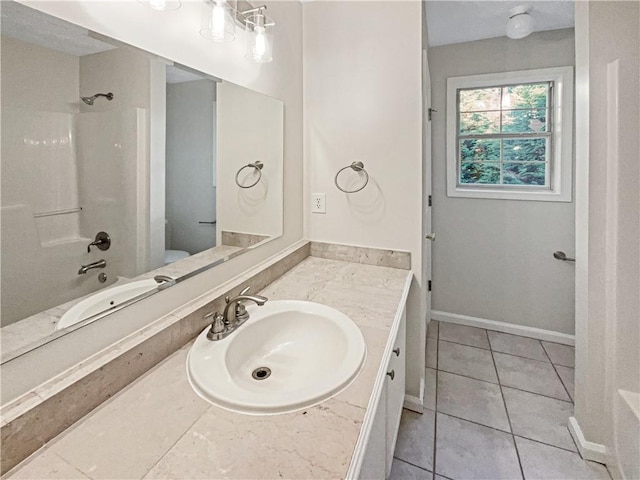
[356, 167]
[258, 166]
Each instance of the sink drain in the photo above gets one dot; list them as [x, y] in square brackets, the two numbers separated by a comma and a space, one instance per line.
[261, 373]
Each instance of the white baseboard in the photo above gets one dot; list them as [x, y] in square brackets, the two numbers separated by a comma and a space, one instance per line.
[413, 403]
[595, 452]
[532, 332]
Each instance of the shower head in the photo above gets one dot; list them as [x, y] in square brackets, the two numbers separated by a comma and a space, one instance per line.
[89, 100]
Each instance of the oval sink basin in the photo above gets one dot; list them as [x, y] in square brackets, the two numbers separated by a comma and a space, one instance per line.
[289, 355]
[104, 300]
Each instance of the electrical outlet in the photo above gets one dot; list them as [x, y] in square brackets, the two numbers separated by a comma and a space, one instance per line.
[318, 204]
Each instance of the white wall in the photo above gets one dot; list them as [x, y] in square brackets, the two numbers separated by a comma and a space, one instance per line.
[191, 196]
[493, 258]
[249, 128]
[175, 35]
[362, 74]
[608, 234]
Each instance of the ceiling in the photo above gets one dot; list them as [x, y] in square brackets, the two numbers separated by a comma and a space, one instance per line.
[32, 26]
[463, 21]
[35, 27]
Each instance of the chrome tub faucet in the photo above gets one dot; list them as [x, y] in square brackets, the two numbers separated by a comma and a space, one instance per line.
[234, 315]
[89, 266]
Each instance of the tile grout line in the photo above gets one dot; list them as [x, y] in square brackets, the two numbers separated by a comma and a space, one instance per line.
[503, 385]
[504, 333]
[412, 464]
[566, 390]
[547, 444]
[558, 375]
[503, 353]
[528, 391]
[176, 442]
[504, 403]
[507, 433]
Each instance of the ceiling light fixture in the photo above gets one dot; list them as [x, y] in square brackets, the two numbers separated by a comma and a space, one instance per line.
[162, 5]
[520, 23]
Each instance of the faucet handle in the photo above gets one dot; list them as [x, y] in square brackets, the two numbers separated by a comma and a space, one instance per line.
[218, 326]
[102, 241]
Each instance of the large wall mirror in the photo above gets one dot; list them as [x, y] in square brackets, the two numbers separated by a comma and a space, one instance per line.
[180, 171]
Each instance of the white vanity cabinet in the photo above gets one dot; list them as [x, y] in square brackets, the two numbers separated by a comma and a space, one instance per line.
[395, 387]
[383, 420]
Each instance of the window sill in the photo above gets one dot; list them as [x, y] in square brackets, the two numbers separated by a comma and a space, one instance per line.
[495, 194]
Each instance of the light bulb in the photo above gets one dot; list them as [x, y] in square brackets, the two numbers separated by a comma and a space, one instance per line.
[161, 5]
[218, 21]
[157, 4]
[259, 43]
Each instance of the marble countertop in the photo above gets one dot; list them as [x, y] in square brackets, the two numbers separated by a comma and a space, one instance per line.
[158, 427]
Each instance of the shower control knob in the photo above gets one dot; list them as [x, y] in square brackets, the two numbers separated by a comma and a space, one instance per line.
[102, 241]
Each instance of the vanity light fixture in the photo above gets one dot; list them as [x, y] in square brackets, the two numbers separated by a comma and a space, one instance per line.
[217, 21]
[259, 39]
[162, 5]
[520, 23]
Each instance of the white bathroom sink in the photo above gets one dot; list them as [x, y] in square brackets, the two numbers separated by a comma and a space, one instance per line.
[105, 300]
[312, 351]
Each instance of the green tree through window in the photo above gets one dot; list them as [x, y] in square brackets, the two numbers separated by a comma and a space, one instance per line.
[504, 134]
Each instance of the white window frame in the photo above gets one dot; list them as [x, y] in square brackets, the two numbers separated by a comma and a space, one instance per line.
[561, 115]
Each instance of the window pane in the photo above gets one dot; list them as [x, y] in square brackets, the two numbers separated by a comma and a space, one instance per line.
[479, 123]
[481, 99]
[525, 150]
[478, 150]
[480, 173]
[525, 96]
[524, 173]
[524, 121]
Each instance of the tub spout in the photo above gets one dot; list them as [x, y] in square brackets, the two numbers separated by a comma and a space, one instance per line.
[85, 268]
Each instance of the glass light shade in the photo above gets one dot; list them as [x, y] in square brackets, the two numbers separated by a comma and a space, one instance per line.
[217, 21]
[162, 5]
[259, 38]
[519, 25]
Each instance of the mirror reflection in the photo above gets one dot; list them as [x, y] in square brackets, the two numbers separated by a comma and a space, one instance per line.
[122, 174]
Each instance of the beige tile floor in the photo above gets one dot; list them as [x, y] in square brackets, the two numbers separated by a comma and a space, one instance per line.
[497, 407]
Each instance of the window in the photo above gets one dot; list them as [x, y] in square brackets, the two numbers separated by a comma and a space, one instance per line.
[509, 135]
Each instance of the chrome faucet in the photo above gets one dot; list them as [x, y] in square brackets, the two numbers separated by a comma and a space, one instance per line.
[234, 315]
[164, 281]
[85, 268]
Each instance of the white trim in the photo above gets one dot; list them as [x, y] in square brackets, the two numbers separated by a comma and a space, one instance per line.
[413, 403]
[595, 452]
[523, 330]
[561, 173]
